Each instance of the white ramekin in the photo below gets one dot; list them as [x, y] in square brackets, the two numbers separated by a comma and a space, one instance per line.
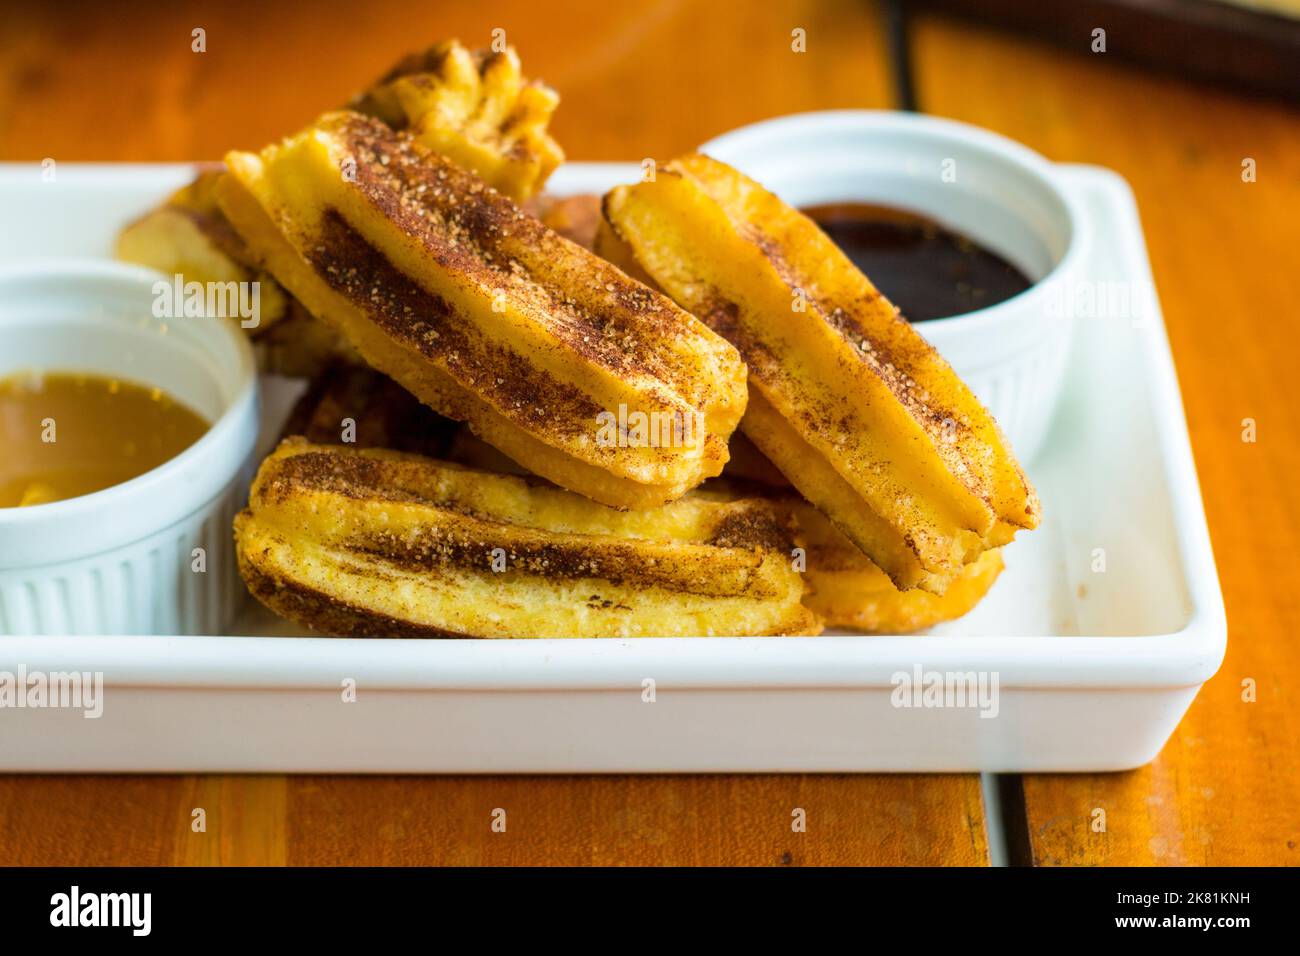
[123, 560]
[995, 191]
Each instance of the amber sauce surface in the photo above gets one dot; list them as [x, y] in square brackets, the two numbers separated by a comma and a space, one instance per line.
[67, 434]
[928, 271]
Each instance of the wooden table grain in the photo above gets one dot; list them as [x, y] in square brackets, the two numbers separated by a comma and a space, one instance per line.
[83, 82]
[401, 821]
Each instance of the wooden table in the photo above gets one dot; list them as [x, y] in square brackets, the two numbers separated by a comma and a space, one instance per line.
[81, 82]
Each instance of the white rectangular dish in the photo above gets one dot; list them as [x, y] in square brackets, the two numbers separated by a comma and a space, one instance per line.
[1098, 636]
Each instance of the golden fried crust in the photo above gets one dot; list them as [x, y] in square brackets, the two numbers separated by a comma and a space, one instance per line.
[748, 464]
[484, 313]
[368, 542]
[357, 406]
[852, 405]
[189, 236]
[843, 586]
[847, 590]
[300, 347]
[477, 109]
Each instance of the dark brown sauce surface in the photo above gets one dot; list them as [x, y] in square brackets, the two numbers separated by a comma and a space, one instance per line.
[928, 271]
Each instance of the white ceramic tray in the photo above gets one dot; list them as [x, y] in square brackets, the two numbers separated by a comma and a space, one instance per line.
[1094, 669]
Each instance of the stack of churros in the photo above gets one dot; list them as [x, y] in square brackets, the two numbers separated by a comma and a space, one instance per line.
[396, 528]
[516, 398]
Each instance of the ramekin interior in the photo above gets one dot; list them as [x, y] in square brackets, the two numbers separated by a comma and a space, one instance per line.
[96, 316]
[981, 185]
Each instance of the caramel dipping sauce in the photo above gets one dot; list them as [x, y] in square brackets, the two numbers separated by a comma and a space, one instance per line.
[104, 431]
[928, 271]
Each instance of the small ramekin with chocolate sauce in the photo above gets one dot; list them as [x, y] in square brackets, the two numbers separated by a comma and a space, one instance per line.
[970, 234]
